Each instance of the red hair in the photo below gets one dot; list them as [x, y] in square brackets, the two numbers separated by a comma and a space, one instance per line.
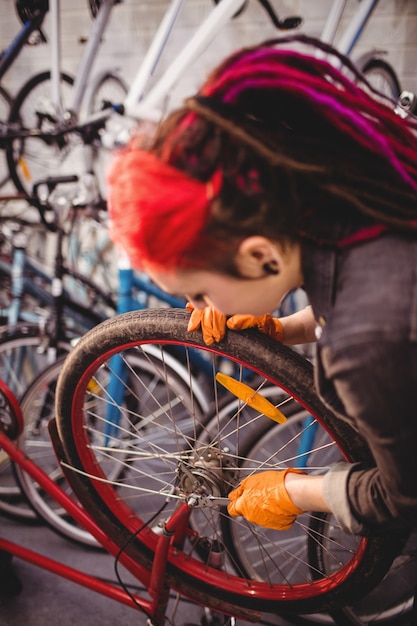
[157, 212]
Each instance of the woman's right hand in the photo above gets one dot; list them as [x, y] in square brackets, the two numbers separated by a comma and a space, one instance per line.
[263, 499]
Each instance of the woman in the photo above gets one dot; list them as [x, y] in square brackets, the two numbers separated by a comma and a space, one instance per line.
[282, 173]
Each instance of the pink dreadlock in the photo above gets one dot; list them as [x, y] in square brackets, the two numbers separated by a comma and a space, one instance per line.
[291, 141]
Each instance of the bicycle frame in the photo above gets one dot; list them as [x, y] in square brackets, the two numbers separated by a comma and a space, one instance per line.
[355, 27]
[154, 579]
[137, 105]
[218, 17]
[154, 608]
[56, 299]
[12, 51]
[149, 107]
[98, 27]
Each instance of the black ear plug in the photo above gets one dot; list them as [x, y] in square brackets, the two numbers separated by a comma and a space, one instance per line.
[271, 268]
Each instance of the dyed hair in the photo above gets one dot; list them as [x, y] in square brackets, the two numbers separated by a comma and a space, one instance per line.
[295, 143]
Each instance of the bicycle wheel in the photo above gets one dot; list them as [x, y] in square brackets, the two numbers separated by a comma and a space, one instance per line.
[307, 445]
[24, 355]
[391, 601]
[382, 77]
[31, 158]
[171, 464]
[91, 253]
[38, 407]
[107, 89]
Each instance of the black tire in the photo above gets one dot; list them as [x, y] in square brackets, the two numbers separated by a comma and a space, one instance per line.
[107, 89]
[33, 158]
[267, 362]
[391, 601]
[5, 103]
[38, 407]
[23, 356]
[382, 77]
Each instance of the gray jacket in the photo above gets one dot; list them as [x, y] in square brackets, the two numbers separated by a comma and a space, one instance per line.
[364, 299]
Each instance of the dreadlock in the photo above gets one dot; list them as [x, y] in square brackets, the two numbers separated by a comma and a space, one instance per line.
[299, 142]
[297, 118]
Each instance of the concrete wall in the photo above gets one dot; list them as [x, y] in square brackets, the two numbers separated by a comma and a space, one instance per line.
[393, 27]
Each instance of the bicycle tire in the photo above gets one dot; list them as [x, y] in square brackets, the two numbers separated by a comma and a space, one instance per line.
[38, 407]
[5, 103]
[98, 262]
[32, 158]
[186, 572]
[90, 250]
[382, 77]
[391, 601]
[23, 356]
[107, 90]
[92, 254]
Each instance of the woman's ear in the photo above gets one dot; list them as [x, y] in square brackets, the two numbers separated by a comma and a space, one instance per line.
[257, 256]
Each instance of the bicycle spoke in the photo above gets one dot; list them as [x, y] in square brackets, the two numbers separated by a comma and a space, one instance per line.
[139, 443]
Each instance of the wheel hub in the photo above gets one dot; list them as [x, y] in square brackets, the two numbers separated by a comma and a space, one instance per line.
[207, 471]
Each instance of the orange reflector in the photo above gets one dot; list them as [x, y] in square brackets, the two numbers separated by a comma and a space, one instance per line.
[251, 397]
[25, 169]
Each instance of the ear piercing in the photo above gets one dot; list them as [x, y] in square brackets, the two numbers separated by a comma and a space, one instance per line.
[271, 267]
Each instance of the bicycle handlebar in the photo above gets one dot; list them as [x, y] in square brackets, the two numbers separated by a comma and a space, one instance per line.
[51, 182]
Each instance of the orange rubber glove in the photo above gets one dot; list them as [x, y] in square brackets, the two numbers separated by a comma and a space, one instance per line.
[266, 324]
[263, 499]
[211, 322]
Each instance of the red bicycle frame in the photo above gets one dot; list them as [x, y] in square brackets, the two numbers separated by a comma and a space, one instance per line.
[154, 579]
